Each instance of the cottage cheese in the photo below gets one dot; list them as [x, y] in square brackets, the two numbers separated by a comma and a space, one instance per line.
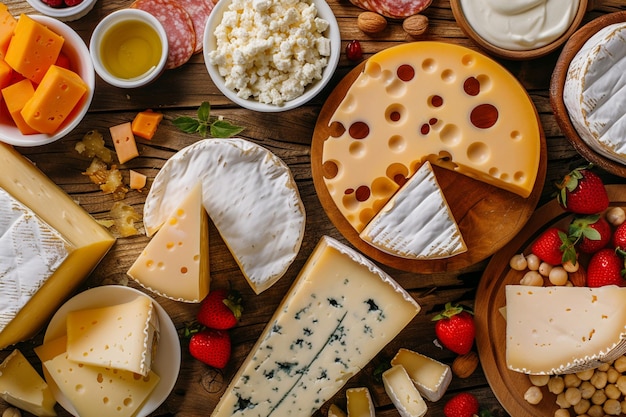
[272, 50]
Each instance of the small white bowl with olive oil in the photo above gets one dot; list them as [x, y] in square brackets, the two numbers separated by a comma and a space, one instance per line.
[129, 48]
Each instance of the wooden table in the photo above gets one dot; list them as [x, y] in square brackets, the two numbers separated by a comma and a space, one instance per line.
[288, 134]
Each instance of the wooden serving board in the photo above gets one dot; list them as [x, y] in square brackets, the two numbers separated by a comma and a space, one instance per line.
[509, 386]
[488, 217]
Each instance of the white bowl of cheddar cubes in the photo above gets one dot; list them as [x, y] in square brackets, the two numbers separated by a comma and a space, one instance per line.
[46, 88]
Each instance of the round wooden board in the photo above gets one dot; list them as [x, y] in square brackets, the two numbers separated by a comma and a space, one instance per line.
[509, 386]
[488, 217]
[557, 84]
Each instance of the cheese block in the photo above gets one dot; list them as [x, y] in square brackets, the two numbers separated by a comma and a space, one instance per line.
[430, 376]
[433, 101]
[96, 391]
[594, 92]
[340, 312]
[403, 393]
[23, 387]
[558, 330]
[175, 263]
[335, 411]
[417, 222]
[249, 194]
[359, 402]
[122, 336]
[44, 254]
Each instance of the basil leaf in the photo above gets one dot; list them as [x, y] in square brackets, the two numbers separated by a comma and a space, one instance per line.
[224, 129]
[186, 124]
[204, 111]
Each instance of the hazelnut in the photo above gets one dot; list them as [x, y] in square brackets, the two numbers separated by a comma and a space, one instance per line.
[415, 25]
[371, 22]
[465, 365]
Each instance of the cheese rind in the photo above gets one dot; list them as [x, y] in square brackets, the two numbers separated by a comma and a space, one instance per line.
[359, 402]
[403, 393]
[557, 330]
[416, 223]
[431, 377]
[340, 312]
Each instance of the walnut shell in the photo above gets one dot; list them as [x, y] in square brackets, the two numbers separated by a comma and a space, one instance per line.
[415, 25]
[370, 22]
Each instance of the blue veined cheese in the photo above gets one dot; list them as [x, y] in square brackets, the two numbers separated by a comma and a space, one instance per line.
[595, 92]
[340, 312]
[416, 223]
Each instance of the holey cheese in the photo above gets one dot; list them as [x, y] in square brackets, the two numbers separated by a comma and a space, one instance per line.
[557, 330]
[428, 101]
[45, 253]
[595, 92]
[340, 312]
[249, 194]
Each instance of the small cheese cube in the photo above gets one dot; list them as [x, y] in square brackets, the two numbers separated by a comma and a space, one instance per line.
[124, 142]
[56, 96]
[6, 74]
[137, 180]
[145, 123]
[431, 377]
[7, 25]
[403, 393]
[33, 49]
[16, 96]
[359, 402]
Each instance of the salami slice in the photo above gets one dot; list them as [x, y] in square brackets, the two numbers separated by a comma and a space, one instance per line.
[394, 9]
[199, 11]
[178, 25]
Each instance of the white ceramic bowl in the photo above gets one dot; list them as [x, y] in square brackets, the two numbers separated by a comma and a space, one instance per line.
[113, 19]
[324, 11]
[76, 50]
[65, 14]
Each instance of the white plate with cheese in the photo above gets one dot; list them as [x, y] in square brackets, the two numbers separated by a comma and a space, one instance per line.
[168, 355]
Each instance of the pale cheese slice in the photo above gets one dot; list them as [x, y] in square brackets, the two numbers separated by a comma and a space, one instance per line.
[249, 194]
[335, 411]
[416, 223]
[431, 377]
[175, 263]
[359, 402]
[558, 330]
[403, 393]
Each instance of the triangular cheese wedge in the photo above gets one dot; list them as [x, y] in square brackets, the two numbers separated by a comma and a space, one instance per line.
[175, 264]
[417, 222]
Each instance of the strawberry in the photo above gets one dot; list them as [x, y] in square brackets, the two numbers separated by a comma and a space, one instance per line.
[221, 309]
[590, 233]
[582, 192]
[70, 3]
[605, 268]
[554, 247]
[455, 329]
[619, 238]
[211, 347]
[463, 404]
[53, 3]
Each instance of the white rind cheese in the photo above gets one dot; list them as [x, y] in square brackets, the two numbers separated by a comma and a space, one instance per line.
[359, 402]
[340, 312]
[417, 222]
[430, 377]
[595, 92]
[249, 194]
[403, 393]
[557, 330]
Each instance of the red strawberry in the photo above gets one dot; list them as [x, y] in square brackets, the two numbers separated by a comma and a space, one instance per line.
[455, 329]
[53, 3]
[211, 347]
[554, 247]
[605, 268]
[582, 192]
[463, 404]
[619, 238]
[71, 3]
[221, 309]
[590, 233]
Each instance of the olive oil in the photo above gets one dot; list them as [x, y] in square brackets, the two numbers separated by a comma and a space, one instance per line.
[129, 49]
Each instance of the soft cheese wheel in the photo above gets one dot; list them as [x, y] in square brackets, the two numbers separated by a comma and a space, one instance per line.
[249, 194]
[428, 101]
[595, 91]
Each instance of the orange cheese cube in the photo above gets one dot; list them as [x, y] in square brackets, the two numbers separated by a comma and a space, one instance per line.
[124, 142]
[137, 180]
[7, 25]
[15, 96]
[33, 49]
[56, 96]
[6, 74]
[145, 123]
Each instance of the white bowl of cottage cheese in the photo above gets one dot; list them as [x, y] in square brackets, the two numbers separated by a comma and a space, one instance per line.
[271, 55]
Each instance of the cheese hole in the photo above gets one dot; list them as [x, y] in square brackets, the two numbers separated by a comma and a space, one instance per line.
[373, 70]
[450, 135]
[516, 135]
[359, 130]
[395, 113]
[79, 388]
[468, 60]
[383, 187]
[349, 103]
[196, 258]
[336, 129]
[396, 88]
[180, 212]
[363, 193]
[435, 101]
[128, 402]
[478, 152]
[349, 200]
[396, 144]
[429, 65]
[330, 169]
[519, 176]
[397, 173]
[100, 379]
[494, 172]
[485, 82]
[105, 400]
[448, 76]
[184, 270]
[365, 216]
[484, 116]
[471, 86]
[405, 72]
[150, 264]
[357, 149]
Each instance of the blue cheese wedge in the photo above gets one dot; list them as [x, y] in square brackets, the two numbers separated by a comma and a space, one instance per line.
[403, 393]
[416, 223]
[340, 312]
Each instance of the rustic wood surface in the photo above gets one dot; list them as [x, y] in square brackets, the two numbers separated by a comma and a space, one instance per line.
[288, 134]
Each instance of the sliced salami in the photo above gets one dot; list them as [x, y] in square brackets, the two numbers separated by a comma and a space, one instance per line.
[199, 11]
[178, 25]
[394, 9]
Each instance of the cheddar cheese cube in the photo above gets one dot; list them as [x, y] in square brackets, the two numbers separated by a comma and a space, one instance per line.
[6, 74]
[145, 123]
[15, 97]
[124, 142]
[33, 49]
[7, 25]
[56, 96]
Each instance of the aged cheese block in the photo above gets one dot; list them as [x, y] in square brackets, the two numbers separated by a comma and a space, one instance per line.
[403, 393]
[339, 313]
[359, 402]
[175, 263]
[249, 194]
[431, 377]
[595, 92]
[417, 222]
[433, 101]
[557, 330]
[44, 254]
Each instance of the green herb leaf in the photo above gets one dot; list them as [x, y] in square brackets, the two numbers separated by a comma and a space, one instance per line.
[186, 124]
[204, 111]
[224, 129]
[205, 124]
